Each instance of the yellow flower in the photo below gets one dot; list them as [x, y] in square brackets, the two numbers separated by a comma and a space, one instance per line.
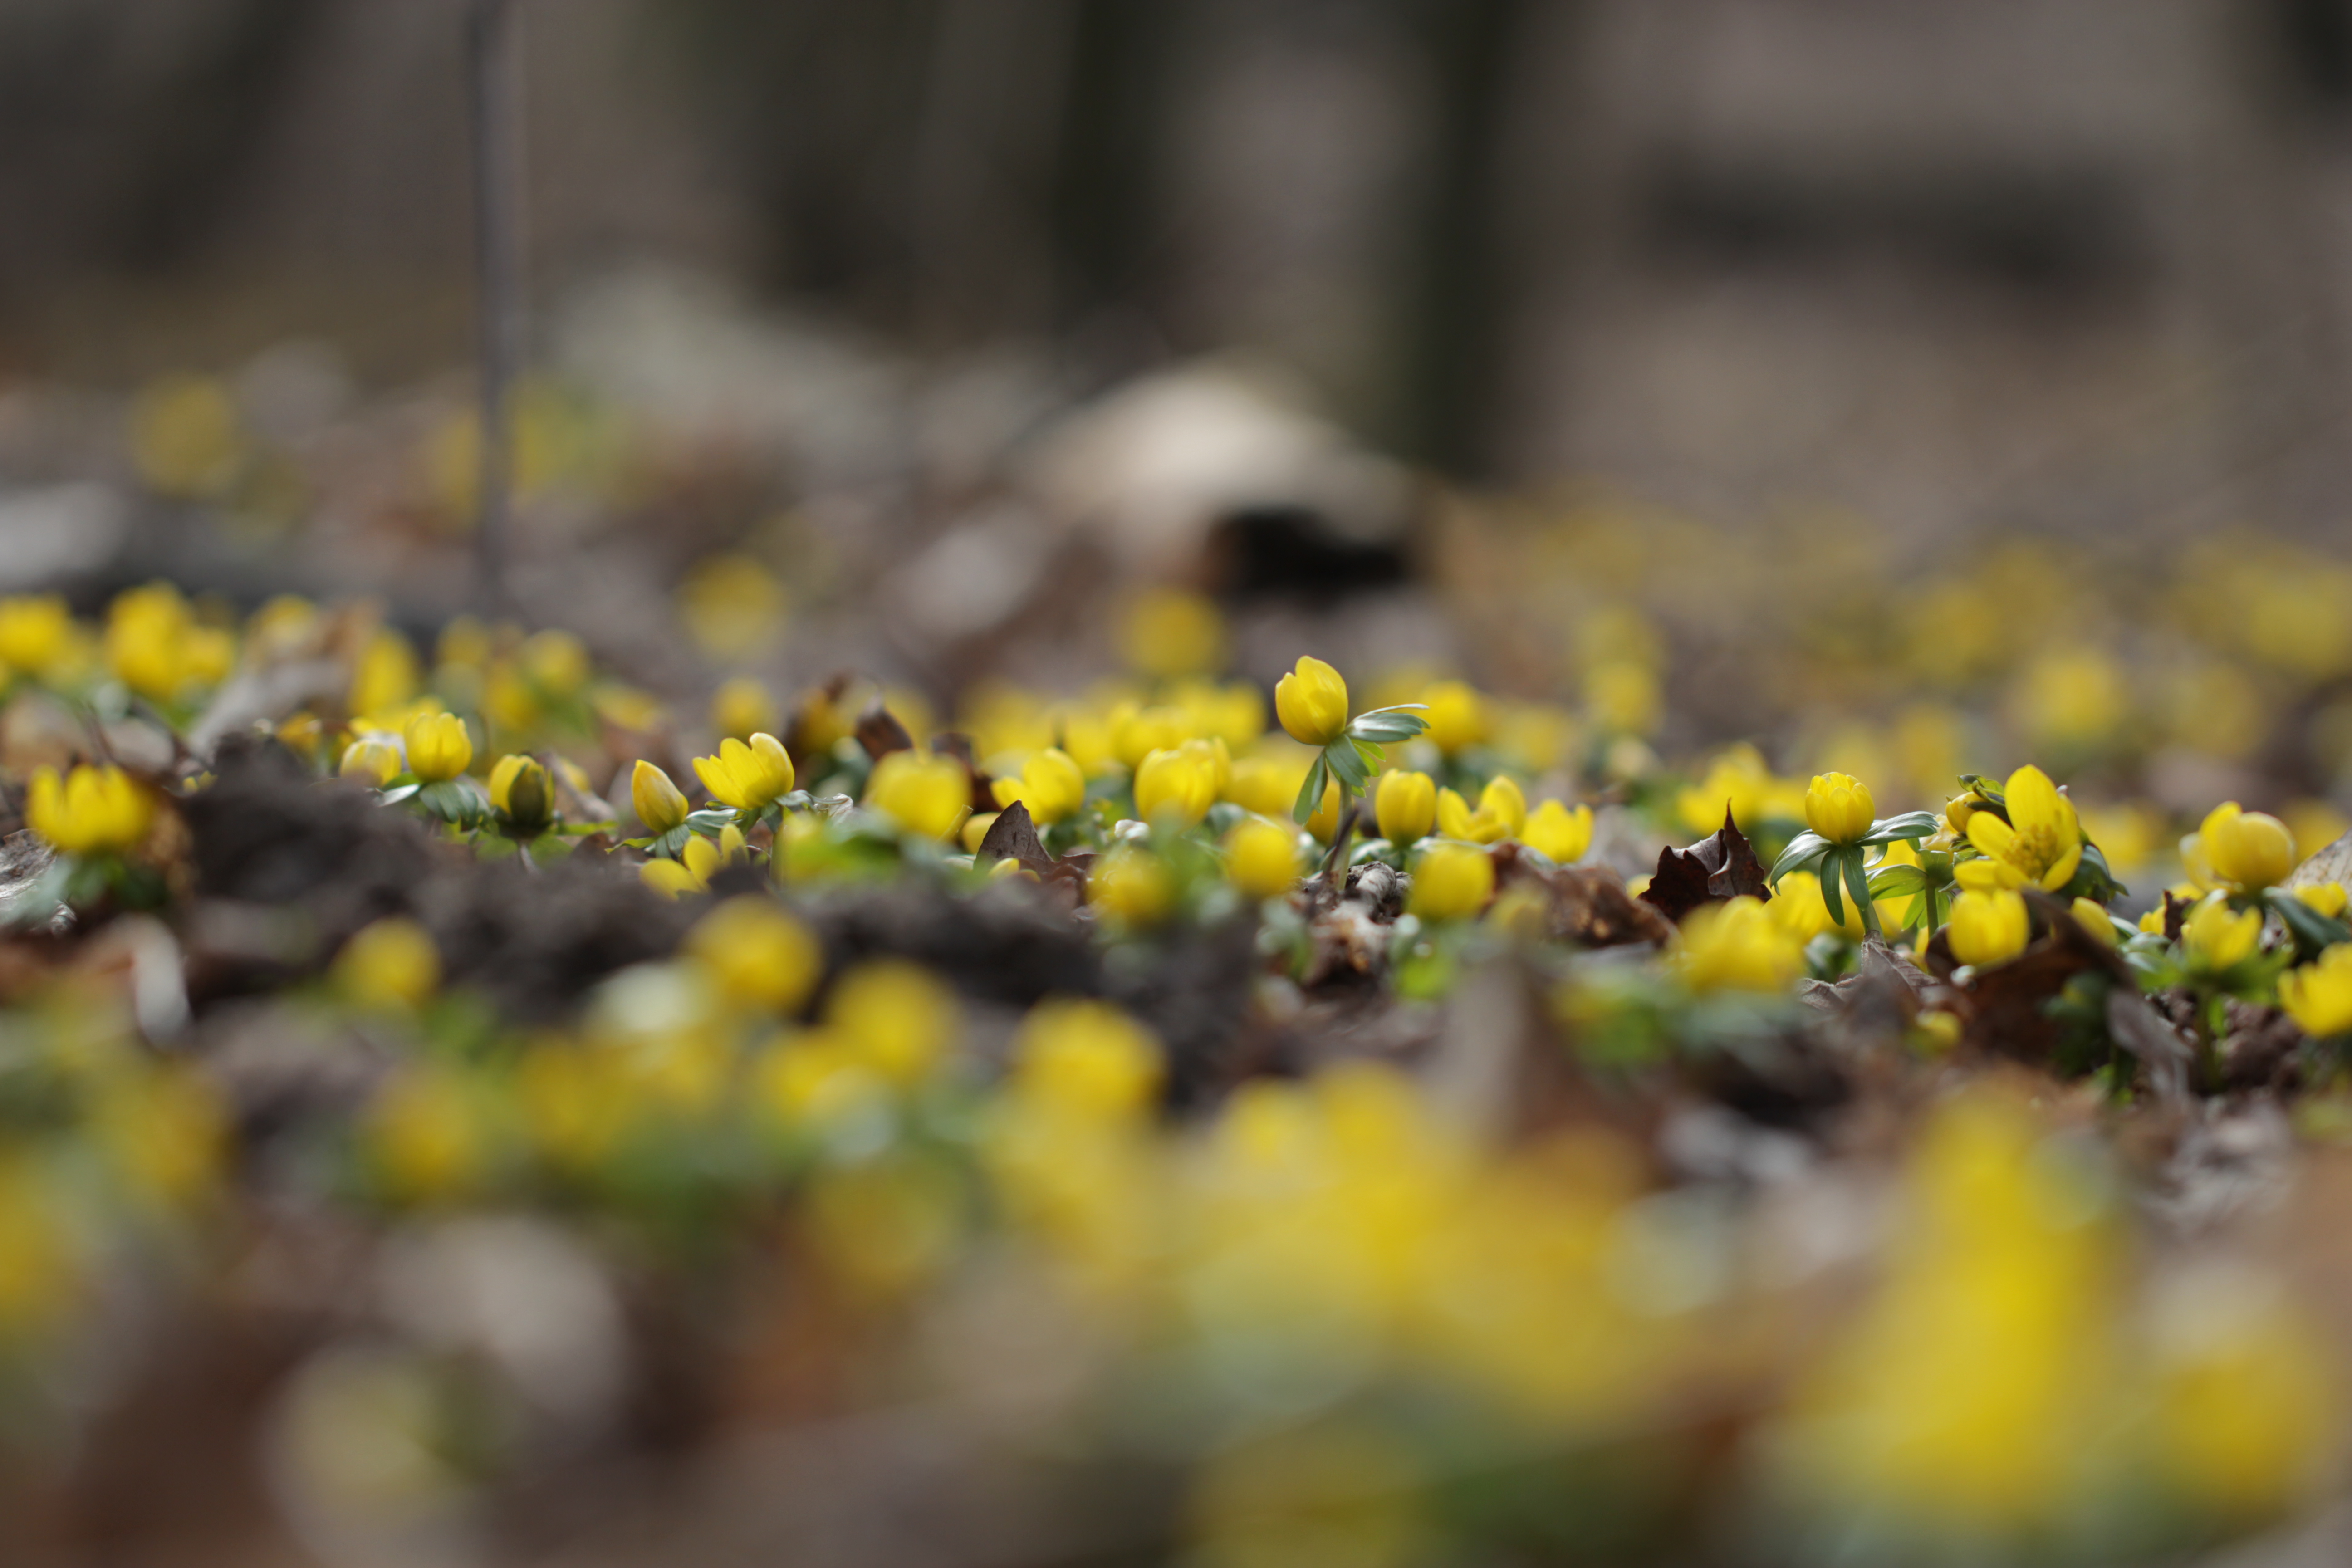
[2243, 850]
[2092, 916]
[2217, 939]
[148, 641]
[1502, 812]
[897, 1018]
[1559, 832]
[1262, 858]
[387, 676]
[974, 833]
[1132, 886]
[2042, 842]
[555, 661]
[93, 811]
[425, 1134]
[1406, 807]
[2327, 898]
[1312, 702]
[1988, 926]
[370, 757]
[37, 633]
[439, 747]
[658, 803]
[1737, 945]
[695, 863]
[520, 788]
[742, 707]
[1181, 784]
[1168, 633]
[1087, 1060]
[747, 777]
[1266, 786]
[1450, 882]
[1838, 806]
[1799, 907]
[1456, 716]
[926, 794]
[392, 964]
[1050, 786]
[2318, 996]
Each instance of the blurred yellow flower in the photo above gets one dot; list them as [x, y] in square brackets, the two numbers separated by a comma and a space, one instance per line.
[1132, 886]
[92, 811]
[1262, 858]
[37, 633]
[1558, 832]
[1456, 716]
[370, 757]
[1168, 632]
[2318, 996]
[521, 790]
[1988, 926]
[742, 707]
[925, 793]
[695, 863]
[2215, 939]
[386, 674]
[439, 747]
[1050, 786]
[1178, 785]
[186, 439]
[1405, 804]
[1502, 812]
[1737, 945]
[897, 1018]
[392, 964]
[1087, 1060]
[2243, 850]
[732, 607]
[1450, 882]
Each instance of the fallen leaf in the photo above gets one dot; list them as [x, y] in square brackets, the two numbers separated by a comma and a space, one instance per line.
[1711, 871]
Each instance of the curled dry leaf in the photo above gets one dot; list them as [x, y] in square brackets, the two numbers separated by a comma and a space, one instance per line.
[1721, 866]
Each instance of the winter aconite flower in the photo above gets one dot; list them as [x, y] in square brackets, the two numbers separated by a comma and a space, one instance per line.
[695, 863]
[1405, 804]
[524, 794]
[92, 811]
[1502, 812]
[438, 746]
[2093, 917]
[1838, 806]
[1737, 945]
[1262, 858]
[760, 956]
[373, 758]
[748, 776]
[390, 965]
[1457, 716]
[2042, 842]
[1450, 882]
[37, 633]
[1180, 783]
[2243, 850]
[2216, 939]
[2318, 996]
[1050, 786]
[1131, 886]
[1312, 702]
[1988, 926]
[1560, 833]
[926, 794]
[658, 803]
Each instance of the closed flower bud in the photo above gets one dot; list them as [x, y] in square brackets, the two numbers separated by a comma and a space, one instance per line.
[658, 803]
[438, 746]
[1132, 886]
[92, 811]
[1050, 786]
[1262, 858]
[523, 793]
[748, 776]
[374, 759]
[1179, 785]
[1406, 806]
[2318, 996]
[1559, 832]
[2092, 916]
[927, 795]
[1988, 926]
[1312, 702]
[1838, 806]
[2247, 850]
[1450, 882]
[1456, 716]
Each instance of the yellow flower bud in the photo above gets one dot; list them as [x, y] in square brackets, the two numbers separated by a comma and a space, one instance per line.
[2092, 916]
[898, 1019]
[392, 964]
[1264, 785]
[1262, 858]
[2247, 850]
[1456, 716]
[1312, 702]
[1558, 832]
[438, 746]
[1179, 785]
[37, 633]
[659, 804]
[2327, 898]
[521, 790]
[1406, 807]
[2318, 996]
[92, 811]
[1050, 786]
[1737, 945]
[2216, 939]
[1450, 882]
[1132, 886]
[927, 795]
[760, 955]
[373, 758]
[749, 777]
[1838, 806]
[1988, 926]
[1088, 1060]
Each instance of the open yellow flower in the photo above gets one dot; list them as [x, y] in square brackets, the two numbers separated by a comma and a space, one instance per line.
[2318, 996]
[695, 863]
[2245, 851]
[1838, 806]
[438, 746]
[1502, 812]
[926, 794]
[1558, 832]
[1312, 702]
[1450, 882]
[1405, 804]
[92, 811]
[2042, 842]
[749, 777]
[2216, 939]
[1988, 926]
[1050, 786]
[1737, 945]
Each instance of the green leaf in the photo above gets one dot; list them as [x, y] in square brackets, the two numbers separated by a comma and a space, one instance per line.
[2310, 929]
[710, 819]
[1346, 764]
[1895, 881]
[2092, 879]
[1310, 794]
[1910, 825]
[397, 794]
[1803, 851]
[1385, 725]
[1857, 883]
[1829, 895]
